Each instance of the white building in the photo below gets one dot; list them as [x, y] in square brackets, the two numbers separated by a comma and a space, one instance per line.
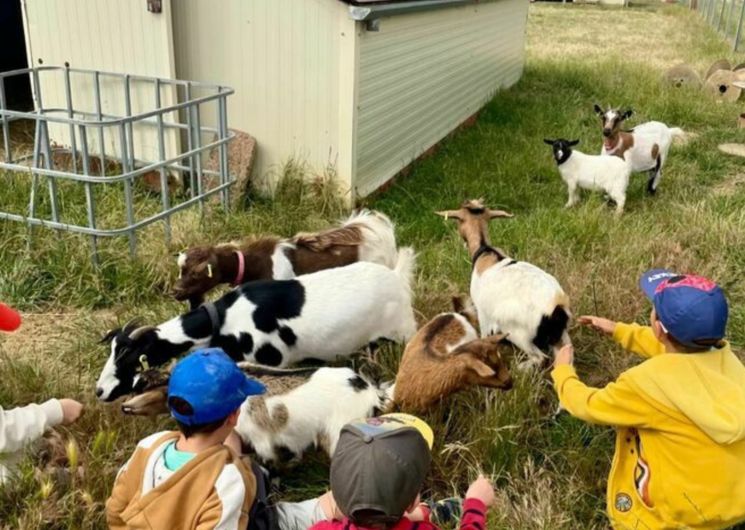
[362, 86]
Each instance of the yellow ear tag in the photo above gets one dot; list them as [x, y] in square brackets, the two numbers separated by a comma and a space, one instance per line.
[209, 271]
[143, 362]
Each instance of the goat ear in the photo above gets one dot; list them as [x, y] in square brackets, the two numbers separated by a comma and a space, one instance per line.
[451, 214]
[481, 368]
[496, 339]
[547, 141]
[499, 213]
[628, 114]
[458, 303]
[598, 109]
[572, 143]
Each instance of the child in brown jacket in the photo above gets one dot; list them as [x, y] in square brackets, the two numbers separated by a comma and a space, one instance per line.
[193, 478]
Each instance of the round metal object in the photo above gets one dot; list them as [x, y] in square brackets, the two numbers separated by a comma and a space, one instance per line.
[720, 86]
[721, 64]
[682, 75]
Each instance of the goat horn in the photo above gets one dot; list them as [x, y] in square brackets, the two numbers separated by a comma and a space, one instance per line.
[137, 333]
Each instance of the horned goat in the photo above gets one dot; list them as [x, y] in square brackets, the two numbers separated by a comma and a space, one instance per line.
[648, 143]
[446, 356]
[325, 315]
[511, 297]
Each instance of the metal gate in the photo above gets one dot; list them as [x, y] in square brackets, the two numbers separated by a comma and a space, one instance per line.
[113, 152]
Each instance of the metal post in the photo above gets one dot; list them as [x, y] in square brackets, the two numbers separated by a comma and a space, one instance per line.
[721, 15]
[89, 198]
[128, 204]
[162, 157]
[739, 27]
[128, 112]
[101, 141]
[44, 143]
[729, 18]
[196, 123]
[70, 114]
[190, 142]
[222, 127]
[6, 128]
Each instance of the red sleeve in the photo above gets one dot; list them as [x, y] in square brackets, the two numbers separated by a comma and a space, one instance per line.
[326, 525]
[474, 515]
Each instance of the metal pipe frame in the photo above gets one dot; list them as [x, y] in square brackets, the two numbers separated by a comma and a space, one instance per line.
[89, 129]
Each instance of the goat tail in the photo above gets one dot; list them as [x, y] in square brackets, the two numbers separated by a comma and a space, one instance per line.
[405, 264]
[676, 131]
[378, 242]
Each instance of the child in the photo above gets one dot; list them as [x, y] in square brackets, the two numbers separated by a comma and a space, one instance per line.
[191, 478]
[679, 415]
[377, 472]
[23, 425]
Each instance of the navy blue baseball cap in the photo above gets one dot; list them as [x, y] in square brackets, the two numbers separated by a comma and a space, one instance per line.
[692, 309]
[211, 384]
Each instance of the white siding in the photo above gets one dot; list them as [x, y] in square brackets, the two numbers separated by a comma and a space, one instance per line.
[282, 57]
[109, 35]
[424, 73]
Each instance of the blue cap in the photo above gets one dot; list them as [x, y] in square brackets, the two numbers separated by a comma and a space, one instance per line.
[692, 309]
[212, 384]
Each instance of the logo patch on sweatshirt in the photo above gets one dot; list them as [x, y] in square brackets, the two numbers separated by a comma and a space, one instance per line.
[623, 502]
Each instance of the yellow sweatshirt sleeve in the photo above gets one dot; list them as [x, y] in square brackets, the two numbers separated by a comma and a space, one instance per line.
[638, 339]
[617, 404]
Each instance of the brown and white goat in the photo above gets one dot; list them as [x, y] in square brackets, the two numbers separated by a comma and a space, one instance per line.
[647, 143]
[511, 297]
[365, 236]
[446, 356]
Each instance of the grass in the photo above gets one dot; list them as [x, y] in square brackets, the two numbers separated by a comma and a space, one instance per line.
[550, 473]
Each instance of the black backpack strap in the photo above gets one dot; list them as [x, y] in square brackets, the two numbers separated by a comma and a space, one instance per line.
[261, 516]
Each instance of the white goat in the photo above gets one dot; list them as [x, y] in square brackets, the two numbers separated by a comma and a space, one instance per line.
[328, 314]
[311, 414]
[647, 143]
[591, 172]
[511, 297]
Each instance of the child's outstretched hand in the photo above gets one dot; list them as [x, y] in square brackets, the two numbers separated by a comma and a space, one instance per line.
[564, 356]
[71, 410]
[482, 490]
[600, 324]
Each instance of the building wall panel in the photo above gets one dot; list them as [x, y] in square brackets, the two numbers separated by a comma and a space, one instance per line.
[422, 74]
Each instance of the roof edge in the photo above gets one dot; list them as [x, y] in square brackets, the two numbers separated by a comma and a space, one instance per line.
[366, 11]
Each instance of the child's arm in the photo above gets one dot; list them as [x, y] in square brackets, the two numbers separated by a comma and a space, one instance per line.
[24, 424]
[479, 497]
[121, 496]
[638, 339]
[616, 404]
[226, 509]
[633, 337]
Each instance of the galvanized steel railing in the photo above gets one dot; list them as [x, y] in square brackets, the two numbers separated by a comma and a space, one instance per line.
[113, 139]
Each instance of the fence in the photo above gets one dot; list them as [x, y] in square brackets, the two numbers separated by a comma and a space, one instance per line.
[106, 145]
[726, 16]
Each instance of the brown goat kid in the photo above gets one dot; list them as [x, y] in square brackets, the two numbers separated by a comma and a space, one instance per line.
[446, 356]
[365, 236]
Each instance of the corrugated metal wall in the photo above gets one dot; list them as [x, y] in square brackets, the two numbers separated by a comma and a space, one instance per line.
[111, 35]
[423, 74]
[282, 59]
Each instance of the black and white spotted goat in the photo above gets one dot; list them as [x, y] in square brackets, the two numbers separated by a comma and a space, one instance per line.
[324, 315]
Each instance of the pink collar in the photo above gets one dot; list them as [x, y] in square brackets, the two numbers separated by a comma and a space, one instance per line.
[241, 267]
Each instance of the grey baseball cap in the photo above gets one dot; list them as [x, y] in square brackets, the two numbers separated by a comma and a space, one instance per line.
[379, 466]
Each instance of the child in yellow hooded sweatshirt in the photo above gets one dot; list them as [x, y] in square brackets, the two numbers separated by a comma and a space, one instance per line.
[679, 415]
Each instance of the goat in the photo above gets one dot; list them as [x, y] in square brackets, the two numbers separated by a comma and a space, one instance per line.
[648, 143]
[511, 297]
[592, 172]
[365, 236]
[445, 356]
[151, 391]
[324, 315]
[311, 414]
